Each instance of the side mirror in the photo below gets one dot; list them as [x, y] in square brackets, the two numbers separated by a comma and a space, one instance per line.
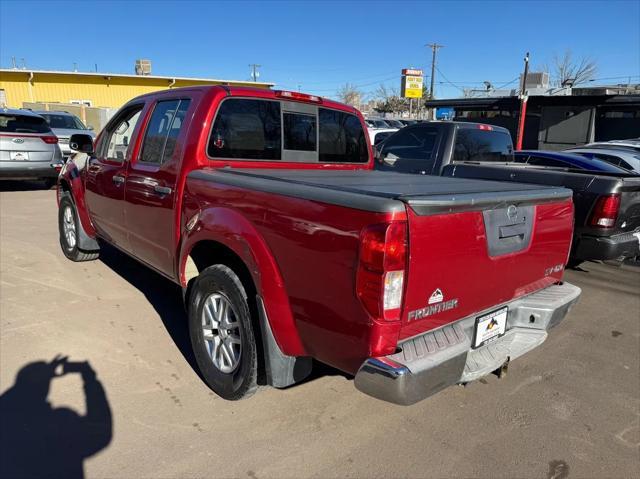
[89, 127]
[81, 143]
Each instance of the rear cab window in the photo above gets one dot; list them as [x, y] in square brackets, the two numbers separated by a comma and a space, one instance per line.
[23, 124]
[410, 150]
[287, 131]
[478, 145]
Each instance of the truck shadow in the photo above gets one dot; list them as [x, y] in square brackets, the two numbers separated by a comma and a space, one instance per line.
[166, 299]
[39, 440]
[162, 294]
[26, 185]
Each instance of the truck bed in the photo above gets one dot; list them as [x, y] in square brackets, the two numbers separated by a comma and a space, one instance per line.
[380, 191]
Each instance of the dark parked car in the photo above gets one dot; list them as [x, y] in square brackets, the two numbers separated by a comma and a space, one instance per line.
[607, 205]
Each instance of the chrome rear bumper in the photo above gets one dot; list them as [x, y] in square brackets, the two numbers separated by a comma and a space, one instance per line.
[440, 358]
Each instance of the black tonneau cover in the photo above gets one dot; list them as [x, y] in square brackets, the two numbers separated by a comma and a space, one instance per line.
[382, 191]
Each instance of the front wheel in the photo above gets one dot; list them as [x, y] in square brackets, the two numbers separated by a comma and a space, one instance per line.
[222, 336]
[69, 230]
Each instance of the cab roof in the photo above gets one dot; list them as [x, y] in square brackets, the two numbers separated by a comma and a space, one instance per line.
[241, 91]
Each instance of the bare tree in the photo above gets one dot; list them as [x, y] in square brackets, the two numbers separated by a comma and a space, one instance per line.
[568, 70]
[350, 94]
[388, 100]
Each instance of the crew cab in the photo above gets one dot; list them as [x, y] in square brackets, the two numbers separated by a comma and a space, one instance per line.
[264, 206]
[607, 203]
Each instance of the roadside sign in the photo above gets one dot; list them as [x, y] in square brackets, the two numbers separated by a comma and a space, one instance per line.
[411, 86]
[445, 113]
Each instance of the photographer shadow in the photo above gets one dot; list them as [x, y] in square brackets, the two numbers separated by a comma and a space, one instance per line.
[38, 440]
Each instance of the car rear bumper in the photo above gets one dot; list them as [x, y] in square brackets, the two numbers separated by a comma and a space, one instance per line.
[29, 169]
[624, 245]
[443, 357]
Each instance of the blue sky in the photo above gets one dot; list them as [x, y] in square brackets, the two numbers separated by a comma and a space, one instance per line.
[319, 46]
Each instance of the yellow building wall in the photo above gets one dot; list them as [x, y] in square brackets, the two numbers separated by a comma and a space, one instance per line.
[101, 90]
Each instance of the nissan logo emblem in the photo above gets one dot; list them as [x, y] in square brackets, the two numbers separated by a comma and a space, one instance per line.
[512, 212]
[17, 140]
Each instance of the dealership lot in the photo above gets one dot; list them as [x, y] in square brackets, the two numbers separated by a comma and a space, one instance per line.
[568, 408]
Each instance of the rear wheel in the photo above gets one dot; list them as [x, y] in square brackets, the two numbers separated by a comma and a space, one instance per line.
[222, 336]
[69, 231]
[573, 263]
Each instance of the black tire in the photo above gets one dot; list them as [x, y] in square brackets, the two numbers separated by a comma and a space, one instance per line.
[241, 382]
[50, 182]
[573, 263]
[70, 248]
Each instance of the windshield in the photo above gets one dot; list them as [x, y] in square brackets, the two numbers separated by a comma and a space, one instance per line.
[23, 124]
[377, 123]
[69, 122]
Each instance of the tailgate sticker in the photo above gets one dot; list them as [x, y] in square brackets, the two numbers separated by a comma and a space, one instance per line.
[435, 304]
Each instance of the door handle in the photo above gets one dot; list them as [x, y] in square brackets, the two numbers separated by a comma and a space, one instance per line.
[117, 179]
[162, 190]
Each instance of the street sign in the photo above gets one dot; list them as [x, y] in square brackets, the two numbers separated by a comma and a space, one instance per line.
[411, 86]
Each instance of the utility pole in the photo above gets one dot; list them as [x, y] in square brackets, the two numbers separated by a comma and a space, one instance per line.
[523, 104]
[434, 49]
[254, 71]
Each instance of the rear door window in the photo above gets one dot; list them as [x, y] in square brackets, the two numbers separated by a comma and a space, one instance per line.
[164, 126]
[247, 129]
[474, 144]
[342, 138]
[411, 149]
[23, 124]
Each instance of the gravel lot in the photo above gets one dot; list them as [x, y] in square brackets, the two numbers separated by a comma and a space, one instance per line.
[571, 408]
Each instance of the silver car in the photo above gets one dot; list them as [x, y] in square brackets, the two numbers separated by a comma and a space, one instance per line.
[28, 147]
[64, 124]
[627, 159]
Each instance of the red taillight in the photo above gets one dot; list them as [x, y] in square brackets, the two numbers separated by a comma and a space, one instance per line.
[605, 212]
[381, 269]
[51, 140]
[294, 95]
[485, 127]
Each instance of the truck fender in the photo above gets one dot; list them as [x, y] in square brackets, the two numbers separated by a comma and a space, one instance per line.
[70, 182]
[235, 232]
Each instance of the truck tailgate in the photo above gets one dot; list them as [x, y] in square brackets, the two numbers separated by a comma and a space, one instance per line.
[471, 252]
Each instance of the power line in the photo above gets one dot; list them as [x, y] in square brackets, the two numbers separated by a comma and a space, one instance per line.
[508, 83]
[447, 80]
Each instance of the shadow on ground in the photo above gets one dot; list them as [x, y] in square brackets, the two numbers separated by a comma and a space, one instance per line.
[38, 440]
[26, 185]
[166, 298]
[164, 295]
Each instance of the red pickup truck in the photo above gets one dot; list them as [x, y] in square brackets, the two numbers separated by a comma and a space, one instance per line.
[264, 206]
